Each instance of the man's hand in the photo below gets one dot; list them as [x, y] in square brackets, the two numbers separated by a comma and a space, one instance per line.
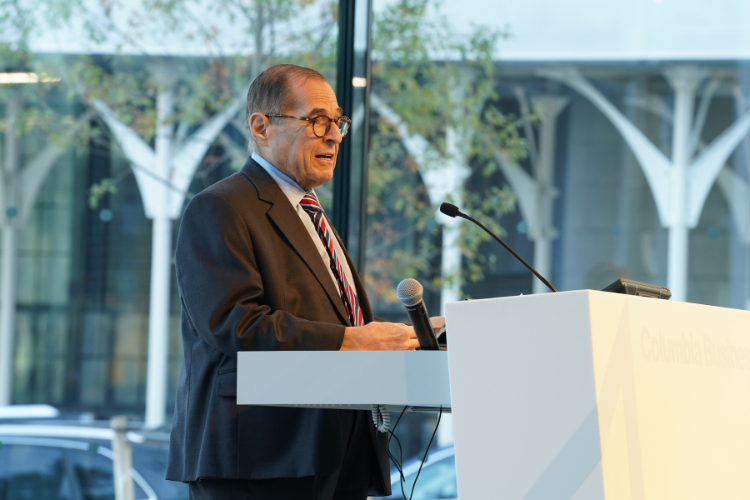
[378, 336]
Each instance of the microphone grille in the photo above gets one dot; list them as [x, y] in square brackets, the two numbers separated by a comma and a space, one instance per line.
[409, 292]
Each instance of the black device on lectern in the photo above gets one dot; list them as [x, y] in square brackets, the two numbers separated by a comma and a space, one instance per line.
[639, 289]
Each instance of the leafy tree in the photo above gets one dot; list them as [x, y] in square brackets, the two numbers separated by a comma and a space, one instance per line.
[206, 69]
[438, 117]
[34, 111]
[167, 77]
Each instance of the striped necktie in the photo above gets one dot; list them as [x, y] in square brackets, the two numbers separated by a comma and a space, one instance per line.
[310, 204]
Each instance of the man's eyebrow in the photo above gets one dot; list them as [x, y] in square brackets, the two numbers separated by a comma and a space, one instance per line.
[321, 111]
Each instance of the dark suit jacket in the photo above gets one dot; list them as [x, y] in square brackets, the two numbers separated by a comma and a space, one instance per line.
[251, 279]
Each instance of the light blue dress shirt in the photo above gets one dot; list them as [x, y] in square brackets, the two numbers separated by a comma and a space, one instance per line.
[294, 194]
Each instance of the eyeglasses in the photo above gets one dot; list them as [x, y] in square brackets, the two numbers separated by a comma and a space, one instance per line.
[321, 124]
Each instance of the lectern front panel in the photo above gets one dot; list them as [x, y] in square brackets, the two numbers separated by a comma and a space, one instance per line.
[589, 395]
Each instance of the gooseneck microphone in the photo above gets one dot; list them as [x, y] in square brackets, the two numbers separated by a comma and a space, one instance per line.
[409, 292]
[453, 211]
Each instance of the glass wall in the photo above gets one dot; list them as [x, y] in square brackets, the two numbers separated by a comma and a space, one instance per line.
[113, 116]
[566, 128]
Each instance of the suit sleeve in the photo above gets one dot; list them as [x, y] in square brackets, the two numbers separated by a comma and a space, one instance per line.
[222, 290]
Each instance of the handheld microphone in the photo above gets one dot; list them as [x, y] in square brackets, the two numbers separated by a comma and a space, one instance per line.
[409, 292]
[453, 211]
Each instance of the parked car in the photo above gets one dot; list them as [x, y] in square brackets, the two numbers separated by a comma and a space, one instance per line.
[72, 460]
[436, 481]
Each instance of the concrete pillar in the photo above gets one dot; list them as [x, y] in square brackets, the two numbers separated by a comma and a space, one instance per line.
[158, 322]
[8, 312]
[684, 80]
[450, 264]
[9, 263]
[543, 232]
[163, 176]
[161, 268]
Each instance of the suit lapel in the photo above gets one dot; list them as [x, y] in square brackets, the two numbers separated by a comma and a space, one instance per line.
[285, 218]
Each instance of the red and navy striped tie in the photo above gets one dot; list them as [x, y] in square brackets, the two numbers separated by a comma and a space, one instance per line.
[310, 204]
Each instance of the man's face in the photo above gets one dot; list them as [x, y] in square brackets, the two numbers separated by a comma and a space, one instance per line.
[291, 145]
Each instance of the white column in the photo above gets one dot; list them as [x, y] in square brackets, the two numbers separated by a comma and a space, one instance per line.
[450, 264]
[681, 185]
[445, 182]
[451, 292]
[161, 267]
[684, 80]
[8, 312]
[9, 264]
[163, 175]
[158, 322]
[544, 231]
[542, 263]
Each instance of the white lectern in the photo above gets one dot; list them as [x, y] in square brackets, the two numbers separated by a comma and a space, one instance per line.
[351, 380]
[592, 395]
[576, 395]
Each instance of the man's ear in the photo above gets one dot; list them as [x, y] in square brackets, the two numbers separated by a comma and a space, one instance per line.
[258, 124]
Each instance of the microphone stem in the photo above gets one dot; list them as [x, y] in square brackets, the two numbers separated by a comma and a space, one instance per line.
[541, 278]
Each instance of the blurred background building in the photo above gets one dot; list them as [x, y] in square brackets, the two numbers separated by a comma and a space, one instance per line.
[602, 139]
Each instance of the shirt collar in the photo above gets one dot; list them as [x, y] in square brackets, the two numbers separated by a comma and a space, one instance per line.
[290, 188]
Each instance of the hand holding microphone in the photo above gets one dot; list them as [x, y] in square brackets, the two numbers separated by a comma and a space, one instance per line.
[410, 292]
[377, 336]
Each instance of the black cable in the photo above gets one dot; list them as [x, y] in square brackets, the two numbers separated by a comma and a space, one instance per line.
[399, 465]
[440, 415]
[518, 257]
[397, 421]
[397, 462]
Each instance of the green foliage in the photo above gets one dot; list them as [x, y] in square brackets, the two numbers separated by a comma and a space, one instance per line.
[441, 84]
[489, 207]
[37, 113]
[16, 23]
[98, 191]
[202, 86]
[130, 74]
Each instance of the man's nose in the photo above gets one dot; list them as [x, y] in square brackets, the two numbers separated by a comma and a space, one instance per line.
[334, 134]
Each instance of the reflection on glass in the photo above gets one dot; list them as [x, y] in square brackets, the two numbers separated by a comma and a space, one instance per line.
[32, 472]
[94, 474]
[140, 108]
[434, 114]
[612, 145]
[585, 137]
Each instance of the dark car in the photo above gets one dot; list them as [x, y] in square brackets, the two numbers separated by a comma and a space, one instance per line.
[60, 460]
[436, 481]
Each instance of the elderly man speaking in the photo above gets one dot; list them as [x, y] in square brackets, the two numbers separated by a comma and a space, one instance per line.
[260, 267]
